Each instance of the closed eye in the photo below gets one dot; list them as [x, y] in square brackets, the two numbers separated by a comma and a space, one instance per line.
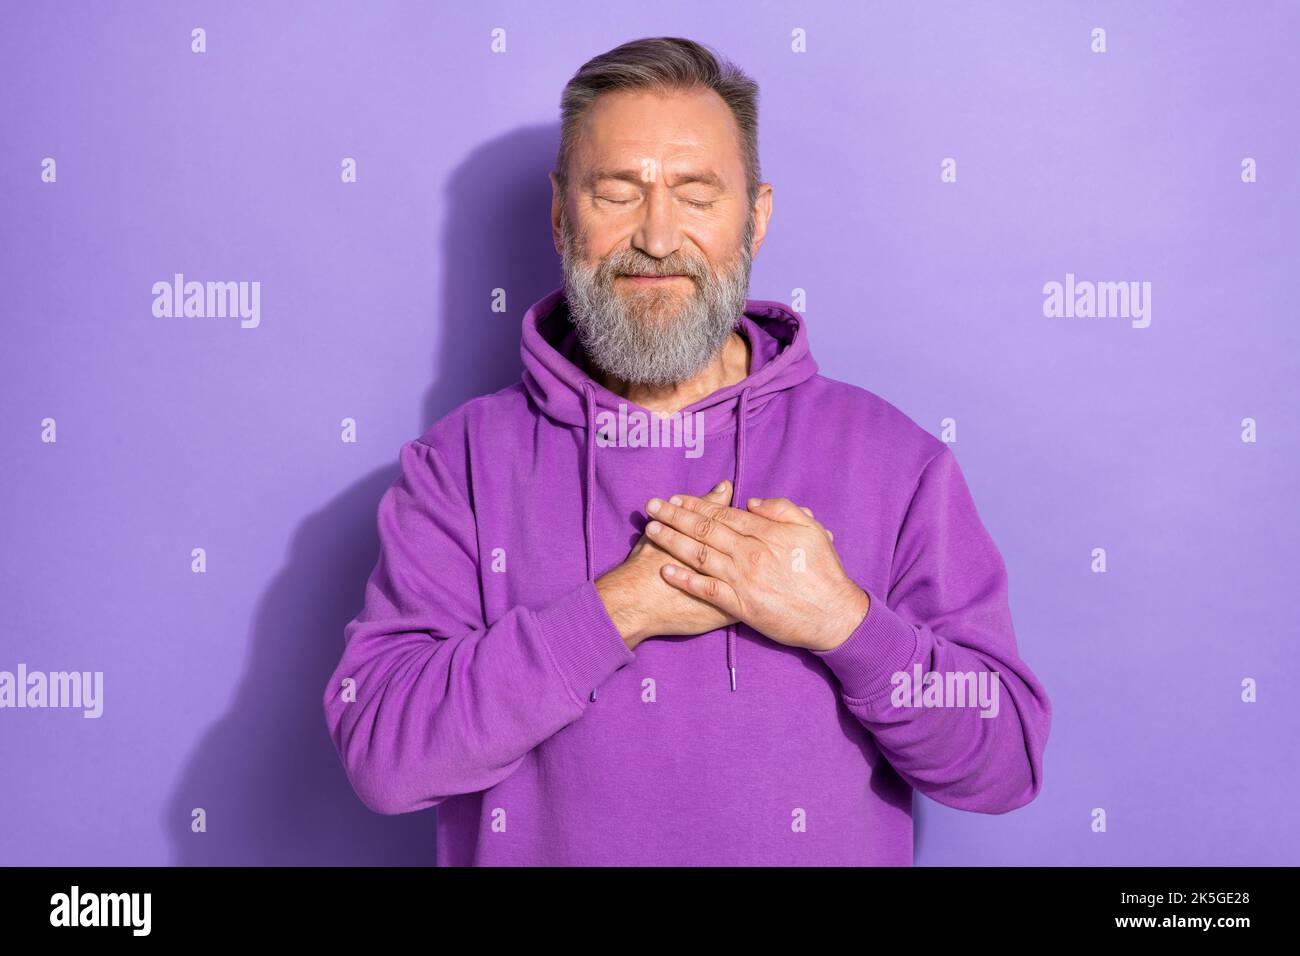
[689, 202]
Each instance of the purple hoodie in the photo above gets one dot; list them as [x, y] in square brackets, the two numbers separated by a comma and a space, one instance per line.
[483, 675]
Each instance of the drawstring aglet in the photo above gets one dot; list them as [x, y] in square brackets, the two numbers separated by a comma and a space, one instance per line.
[733, 677]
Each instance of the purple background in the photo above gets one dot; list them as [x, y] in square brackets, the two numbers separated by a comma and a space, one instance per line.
[1073, 433]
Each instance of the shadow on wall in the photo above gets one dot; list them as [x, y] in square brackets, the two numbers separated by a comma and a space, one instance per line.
[266, 773]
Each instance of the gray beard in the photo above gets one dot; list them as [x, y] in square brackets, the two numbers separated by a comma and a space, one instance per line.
[653, 336]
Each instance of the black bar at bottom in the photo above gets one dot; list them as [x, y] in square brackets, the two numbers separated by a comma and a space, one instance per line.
[582, 907]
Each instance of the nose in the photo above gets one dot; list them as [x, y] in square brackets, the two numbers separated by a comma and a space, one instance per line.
[658, 234]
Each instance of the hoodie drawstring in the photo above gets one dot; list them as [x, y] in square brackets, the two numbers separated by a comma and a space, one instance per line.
[742, 413]
[589, 492]
[591, 480]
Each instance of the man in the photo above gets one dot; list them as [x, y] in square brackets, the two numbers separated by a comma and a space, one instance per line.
[734, 635]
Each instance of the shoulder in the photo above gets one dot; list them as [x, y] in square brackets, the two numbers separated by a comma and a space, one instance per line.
[446, 444]
[861, 418]
[450, 433]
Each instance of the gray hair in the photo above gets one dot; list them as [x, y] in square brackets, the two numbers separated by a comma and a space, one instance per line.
[663, 64]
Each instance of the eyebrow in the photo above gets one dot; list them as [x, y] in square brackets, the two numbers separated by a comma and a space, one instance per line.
[634, 177]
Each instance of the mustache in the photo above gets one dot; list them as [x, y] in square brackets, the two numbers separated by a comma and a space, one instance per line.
[623, 265]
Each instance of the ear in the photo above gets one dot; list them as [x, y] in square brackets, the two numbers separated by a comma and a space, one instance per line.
[762, 214]
[557, 209]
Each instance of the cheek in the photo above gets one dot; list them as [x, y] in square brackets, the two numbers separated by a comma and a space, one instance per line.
[717, 242]
[605, 237]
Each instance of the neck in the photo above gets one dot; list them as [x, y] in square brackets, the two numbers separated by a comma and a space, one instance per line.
[729, 366]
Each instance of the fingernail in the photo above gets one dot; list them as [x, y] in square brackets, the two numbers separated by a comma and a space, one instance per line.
[668, 570]
[653, 506]
[755, 502]
[653, 527]
[720, 485]
[675, 500]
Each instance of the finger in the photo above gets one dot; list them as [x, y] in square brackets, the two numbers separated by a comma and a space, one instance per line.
[705, 525]
[693, 553]
[741, 522]
[780, 509]
[820, 526]
[720, 494]
[809, 512]
[718, 593]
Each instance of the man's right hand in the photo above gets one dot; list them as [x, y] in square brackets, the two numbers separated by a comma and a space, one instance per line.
[642, 605]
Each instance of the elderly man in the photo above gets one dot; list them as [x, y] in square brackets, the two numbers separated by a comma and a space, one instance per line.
[674, 598]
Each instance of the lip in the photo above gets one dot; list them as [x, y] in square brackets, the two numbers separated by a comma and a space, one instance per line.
[651, 280]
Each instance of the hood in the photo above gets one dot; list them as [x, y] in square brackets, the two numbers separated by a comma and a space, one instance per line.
[556, 382]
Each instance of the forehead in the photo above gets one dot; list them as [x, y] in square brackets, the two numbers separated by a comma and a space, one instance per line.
[624, 127]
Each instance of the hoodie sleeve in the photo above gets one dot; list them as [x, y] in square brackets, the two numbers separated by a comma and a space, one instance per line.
[947, 610]
[428, 700]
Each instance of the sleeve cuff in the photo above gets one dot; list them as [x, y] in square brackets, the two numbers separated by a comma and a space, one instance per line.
[585, 644]
[882, 645]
